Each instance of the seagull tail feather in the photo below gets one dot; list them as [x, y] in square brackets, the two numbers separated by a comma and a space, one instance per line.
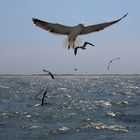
[71, 44]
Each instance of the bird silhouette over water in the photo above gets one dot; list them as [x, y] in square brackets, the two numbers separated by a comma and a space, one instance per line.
[42, 100]
[75, 69]
[44, 92]
[52, 76]
[82, 47]
[73, 31]
[111, 62]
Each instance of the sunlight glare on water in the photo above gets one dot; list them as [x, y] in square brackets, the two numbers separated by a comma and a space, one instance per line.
[75, 107]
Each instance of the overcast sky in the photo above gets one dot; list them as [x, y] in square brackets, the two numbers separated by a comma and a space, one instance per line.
[27, 49]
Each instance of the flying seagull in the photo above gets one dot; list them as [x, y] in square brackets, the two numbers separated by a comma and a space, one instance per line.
[73, 31]
[111, 62]
[82, 47]
[52, 76]
[42, 100]
[75, 69]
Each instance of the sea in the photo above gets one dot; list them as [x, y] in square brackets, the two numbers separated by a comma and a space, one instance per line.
[85, 107]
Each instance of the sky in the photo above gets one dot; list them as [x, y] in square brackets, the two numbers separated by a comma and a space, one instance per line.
[27, 49]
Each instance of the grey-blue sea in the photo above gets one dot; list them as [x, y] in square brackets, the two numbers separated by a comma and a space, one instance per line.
[75, 107]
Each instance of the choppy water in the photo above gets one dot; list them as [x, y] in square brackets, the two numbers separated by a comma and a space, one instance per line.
[76, 108]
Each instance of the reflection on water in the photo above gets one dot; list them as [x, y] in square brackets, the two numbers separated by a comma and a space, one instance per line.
[76, 107]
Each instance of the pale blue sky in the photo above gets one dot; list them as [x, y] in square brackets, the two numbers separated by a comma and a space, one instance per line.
[27, 49]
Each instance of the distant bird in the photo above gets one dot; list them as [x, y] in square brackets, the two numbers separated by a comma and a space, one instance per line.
[81, 47]
[52, 76]
[73, 31]
[111, 62]
[75, 69]
[44, 95]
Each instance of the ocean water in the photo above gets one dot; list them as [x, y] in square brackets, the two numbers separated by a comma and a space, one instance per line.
[75, 108]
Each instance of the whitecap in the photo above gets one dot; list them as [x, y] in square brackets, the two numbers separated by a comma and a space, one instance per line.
[28, 116]
[99, 125]
[31, 127]
[103, 103]
[37, 105]
[35, 126]
[63, 128]
[62, 89]
[111, 113]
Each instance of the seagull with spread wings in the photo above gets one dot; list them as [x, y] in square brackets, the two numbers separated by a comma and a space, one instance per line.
[52, 76]
[111, 62]
[82, 47]
[73, 31]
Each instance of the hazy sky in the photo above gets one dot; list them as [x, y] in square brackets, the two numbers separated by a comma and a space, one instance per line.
[27, 49]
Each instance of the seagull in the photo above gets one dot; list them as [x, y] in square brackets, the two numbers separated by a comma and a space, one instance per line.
[82, 47]
[75, 69]
[52, 76]
[73, 31]
[44, 95]
[111, 62]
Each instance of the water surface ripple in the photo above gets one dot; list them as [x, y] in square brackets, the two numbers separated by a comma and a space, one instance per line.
[76, 107]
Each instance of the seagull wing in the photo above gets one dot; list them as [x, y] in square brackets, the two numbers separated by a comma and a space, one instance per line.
[101, 26]
[42, 101]
[116, 58]
[88, 43]
[83, 47]
[109, 65]
[75, 50]
[52, 76]
[52, 27]
[46, 71]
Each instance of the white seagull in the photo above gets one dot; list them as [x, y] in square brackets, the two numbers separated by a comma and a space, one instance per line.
[111, 62]
[73, 31]
[82, 47]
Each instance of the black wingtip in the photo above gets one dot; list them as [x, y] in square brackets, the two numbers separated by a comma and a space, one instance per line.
[34, 20]
[123, 16]
[88, 43]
